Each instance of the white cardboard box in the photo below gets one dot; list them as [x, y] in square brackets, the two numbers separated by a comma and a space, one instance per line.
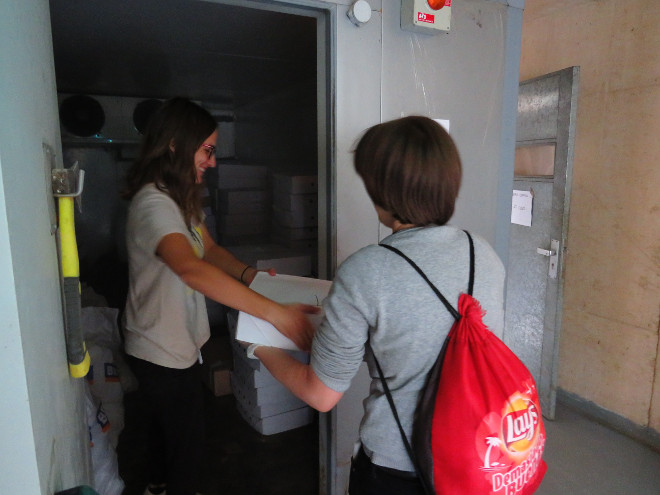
[295, 184]
[304, 202]
[271, 394]
[309, 245]
[240, 225]
[286, 261]
[228, 221]
[293, 265]
[296, 219]
[239, 352]
[283, 289]
[281, 232]
[266, 410]
[237, 176]
[279, 422]
[245, 207]
[227, 197]
[252, 378]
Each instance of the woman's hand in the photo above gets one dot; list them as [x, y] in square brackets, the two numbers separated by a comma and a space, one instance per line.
[251, 272]
[292, 321]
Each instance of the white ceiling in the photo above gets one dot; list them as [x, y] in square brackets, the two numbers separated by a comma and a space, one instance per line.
[207, 51]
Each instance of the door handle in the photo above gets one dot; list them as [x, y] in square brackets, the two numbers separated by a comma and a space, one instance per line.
[553, 254]
[545, 252]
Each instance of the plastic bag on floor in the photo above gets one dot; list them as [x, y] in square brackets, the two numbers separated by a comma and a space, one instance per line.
[100, 328]
[104, 458]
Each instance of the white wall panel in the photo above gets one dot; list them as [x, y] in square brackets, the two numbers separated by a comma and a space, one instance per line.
[43, 439]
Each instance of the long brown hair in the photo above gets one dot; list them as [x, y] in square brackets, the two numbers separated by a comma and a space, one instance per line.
[410, 168]
[174, 134]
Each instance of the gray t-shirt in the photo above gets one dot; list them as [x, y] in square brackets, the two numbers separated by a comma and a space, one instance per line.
[166, 321]
[378, 301]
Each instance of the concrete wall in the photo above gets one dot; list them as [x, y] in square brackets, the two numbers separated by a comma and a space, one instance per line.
[609, 346]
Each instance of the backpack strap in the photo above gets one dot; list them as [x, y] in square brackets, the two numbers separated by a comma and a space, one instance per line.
[471, 282]
[427, 489]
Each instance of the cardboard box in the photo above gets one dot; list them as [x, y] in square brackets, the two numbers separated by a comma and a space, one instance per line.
[238, 176]
[285, 260]
[239, 352]
[284, 289]
[295, 184]
[266, 410]
[228, 221]
[295, 202]
[309, 245]
[217, 363]
[290, 234]
[271, 394]
[220, 382]
[242, 207]
[225, 198]
[294, 265]
[252, 378]
[296, 219]
[279, 422]
[238, 225]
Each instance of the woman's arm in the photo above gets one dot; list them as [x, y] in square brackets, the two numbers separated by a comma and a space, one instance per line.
[227, 262]
[175, 251]
[299, 378]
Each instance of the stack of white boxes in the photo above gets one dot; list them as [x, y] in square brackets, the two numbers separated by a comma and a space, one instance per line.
[260, 399]
[295, 210]
[242, 204]
[285, 261]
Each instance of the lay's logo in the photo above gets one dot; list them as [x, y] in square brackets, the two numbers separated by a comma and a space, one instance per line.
[510, 443]
[519, 426]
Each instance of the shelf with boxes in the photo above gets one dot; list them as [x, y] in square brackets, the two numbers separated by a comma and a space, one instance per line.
[265, 219]
[240, 200]
[249, 205]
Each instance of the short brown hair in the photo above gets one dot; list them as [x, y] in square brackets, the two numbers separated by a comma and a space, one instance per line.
[410, 168]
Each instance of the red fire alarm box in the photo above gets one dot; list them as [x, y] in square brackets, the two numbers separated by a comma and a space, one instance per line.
[426, 16]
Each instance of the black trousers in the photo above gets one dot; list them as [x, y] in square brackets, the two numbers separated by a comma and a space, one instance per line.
[368, 478]
[175, 408]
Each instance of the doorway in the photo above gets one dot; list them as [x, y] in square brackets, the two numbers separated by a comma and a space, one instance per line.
[264, 72]
[545, 134]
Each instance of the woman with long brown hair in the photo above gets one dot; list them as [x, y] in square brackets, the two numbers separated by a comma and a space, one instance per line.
[173, 264]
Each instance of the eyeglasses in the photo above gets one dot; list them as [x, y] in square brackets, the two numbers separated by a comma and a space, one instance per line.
[210, 150]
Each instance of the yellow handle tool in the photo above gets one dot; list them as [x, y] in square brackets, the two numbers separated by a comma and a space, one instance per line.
[77, 355]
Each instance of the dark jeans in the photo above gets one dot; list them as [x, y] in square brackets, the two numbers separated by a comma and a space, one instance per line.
[175, 408]
[368, 478]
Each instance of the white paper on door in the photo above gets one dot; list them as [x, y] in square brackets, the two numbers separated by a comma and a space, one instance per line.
[284, 289]
[521, 208]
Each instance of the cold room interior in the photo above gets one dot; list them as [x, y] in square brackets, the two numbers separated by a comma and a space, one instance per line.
[255, 71]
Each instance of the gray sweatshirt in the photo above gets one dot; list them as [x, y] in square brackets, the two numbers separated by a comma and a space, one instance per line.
[378, 303]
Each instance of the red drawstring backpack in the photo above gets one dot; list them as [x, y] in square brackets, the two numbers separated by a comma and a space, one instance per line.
[478, 428]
